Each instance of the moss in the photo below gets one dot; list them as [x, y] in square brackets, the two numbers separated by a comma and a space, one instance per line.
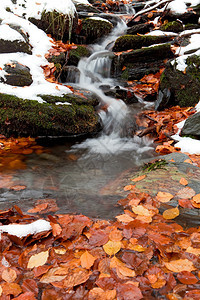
[193, 67]
[173, 26]
[94, 29]
[21, 117]
[14, 46]
[128, 41]
[125, 74]
[76, 54]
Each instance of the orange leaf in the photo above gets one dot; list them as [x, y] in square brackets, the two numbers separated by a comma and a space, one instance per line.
[111, 248]
[185, 193]
[196, 198]
[9, 275]
[164, 197]
[87, 260]
[124, 218]
[141, 210]
[183, 181]
[138, 178]
[38, 208]
[11, 289]
[18, 187]
[115, 235]
[180, 265]
[100, 294]
[129, 187]
[187, 277]
[171, 213]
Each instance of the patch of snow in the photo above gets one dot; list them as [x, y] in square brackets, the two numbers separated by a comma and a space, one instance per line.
[100, 19]
[194, 44]
[7, 33]
[22, 230]
[85, 2]
[189, 145]
[162, 33]
[62, 103]
[180, 7]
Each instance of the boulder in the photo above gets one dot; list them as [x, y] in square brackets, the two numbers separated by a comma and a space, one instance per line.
[16, 74]
[192, 126]
[55, 117]
[127, 42]
[140, 28]
[120, 93]
[70, 74]
[173, 26]
[76, 54]
[135, 64]
[184, 86]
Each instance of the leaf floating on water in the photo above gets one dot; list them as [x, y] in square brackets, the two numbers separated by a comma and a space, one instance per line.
[171, 213]
[111, 248]
[183, 181]
[180, 265]
[138, 178]
[38, 259]
[164, 197]
[87, 260]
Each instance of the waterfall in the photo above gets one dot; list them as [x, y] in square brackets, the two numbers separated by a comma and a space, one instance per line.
[94, 72]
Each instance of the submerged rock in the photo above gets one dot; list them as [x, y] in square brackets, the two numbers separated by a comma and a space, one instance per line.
[16, 74]
[184, 86]
[55, 117]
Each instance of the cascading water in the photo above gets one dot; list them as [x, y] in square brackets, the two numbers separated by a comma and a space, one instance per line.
[94, 73]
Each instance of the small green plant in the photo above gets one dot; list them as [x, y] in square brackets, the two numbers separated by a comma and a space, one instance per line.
[157, 164]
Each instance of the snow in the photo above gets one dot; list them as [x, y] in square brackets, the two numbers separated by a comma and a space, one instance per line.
[81, 2]
[99, 19]
[22, 230]
[180, 7]
[39, 42]
[162, 33]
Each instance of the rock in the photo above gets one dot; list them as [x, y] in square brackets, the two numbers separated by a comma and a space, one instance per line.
[192, 26]
[60, 26]
[189, 17]
[127, 42]
[70, 74]
[16, 74]
[140, 28]
[163, 99]
[81, 7]
[17, 42]
[21, 117]
[95, 28]
[192, 126]
[173, 26]
[120, 93]
[76, 54]
[184, 87]
[58, 59]
[140, 62]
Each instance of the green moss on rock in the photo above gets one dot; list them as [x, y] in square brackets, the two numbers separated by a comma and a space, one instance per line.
[76, 54]
[129, 41]
[94, 29]
[21, 117]
[173, 26]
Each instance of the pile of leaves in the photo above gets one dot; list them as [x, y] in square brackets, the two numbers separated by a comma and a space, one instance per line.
[141, 255]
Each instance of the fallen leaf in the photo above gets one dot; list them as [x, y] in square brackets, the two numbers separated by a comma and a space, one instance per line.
[124, 218]
[38, 208]
[141, 210]
[185, 193]
[11, 289]
[188, 161]
[129, 187]
[74, 277]
[164, 197]
[196, 198]
[183, 181]
[38, 259]
[52, 275]
[115, 235]
[192, 250]
[138, 178]
[9, 275]
[111, 248]
[171, 213]
[18, 187]
[99, 294]
[187, 277]
[87, 260]
[180, 265]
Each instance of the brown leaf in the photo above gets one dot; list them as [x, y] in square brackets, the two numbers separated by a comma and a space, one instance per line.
[115, 235]
[164, 197]
[52, 275]
[100, 294]
[180, 265]
[87, 260]
[26, 296]
[18, 187]
[171, 213]
[187, 277]
[38, 259]
[196, 198]
[11, 289]
[139, 178]
[38, 208]
[9, 275]
[75, 277]
[124, 218]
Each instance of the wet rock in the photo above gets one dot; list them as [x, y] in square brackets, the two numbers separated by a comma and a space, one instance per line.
[81, 8]
[21, 117]
[185, 87]
[60, 26]
[120, 93]
[172, 27]
[140, 28]
[127, 42]
[70, 74]
[163, 99]
[189, 17]
[16, 74]
[94, 29]
[140, 62]
[58, 59]
[192, 126]
[76, 54]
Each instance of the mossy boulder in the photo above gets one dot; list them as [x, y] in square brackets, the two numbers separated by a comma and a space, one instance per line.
[94, 29]
[140, 62]
[21, 117]
[184, 86]
[129, 41]
[140, 28]
[76, 54]
[192, 126]
[16, 74]
[59, 25]
[173, 26]
[14, 46]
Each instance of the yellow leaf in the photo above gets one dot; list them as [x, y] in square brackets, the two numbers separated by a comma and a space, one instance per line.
[9, 275]
[138, 178]
[180, 265]
[38, 259]
[183, 181]
[192, 250]
[124, 218]
[100, 294]
[1, 290]
[121, 267]
[87, 260]
[141, 210]
[112, 248]
[138, 248]
[171, 213]
[196, 198]
[60, 251]
[164, 197]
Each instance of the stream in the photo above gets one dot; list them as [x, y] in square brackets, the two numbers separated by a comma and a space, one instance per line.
[87, 176]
